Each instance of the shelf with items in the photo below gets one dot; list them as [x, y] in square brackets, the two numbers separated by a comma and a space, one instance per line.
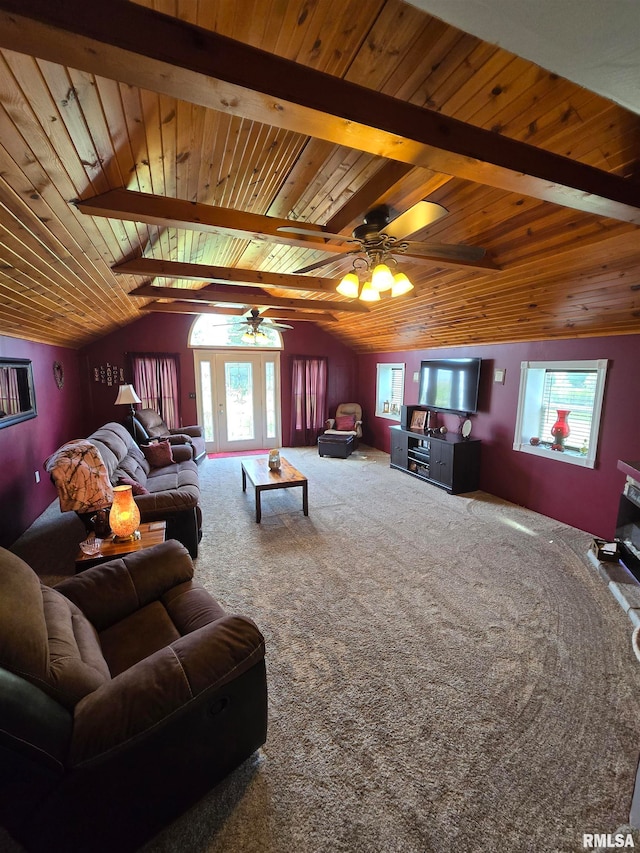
[449, 461]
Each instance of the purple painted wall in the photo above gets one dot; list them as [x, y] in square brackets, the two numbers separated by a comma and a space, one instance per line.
[583, 497]
[24, 446]
[170, 333]
[152, 333]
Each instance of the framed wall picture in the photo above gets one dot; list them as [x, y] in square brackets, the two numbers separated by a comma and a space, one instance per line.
[418, 419]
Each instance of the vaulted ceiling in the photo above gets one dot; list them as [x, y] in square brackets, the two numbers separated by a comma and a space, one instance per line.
[150, 152]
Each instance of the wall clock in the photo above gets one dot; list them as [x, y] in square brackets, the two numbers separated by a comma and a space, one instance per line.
[58, 373]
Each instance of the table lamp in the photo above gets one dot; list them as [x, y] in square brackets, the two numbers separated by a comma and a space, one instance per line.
[124, 517]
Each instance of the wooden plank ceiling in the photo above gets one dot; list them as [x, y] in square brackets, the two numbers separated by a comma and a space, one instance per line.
[139, 113]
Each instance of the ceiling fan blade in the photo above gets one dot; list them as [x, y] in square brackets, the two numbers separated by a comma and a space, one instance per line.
[323, 263]
[415, 219]
[293, 229]
[455, 252]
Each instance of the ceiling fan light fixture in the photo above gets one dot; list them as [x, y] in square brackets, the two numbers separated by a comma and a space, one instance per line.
[401, 285]
[382, 277]
[369, 293]
[248, 338]
[260, 337]
[349, 286]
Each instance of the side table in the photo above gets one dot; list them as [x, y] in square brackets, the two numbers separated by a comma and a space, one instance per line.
[151, 533]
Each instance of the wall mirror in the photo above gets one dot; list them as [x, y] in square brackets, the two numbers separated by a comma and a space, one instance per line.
[17, 396]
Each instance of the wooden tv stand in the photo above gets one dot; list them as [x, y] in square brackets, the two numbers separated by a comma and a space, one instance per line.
[448, 461]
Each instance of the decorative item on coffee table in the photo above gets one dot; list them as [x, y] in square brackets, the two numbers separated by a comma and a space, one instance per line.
[274, 460]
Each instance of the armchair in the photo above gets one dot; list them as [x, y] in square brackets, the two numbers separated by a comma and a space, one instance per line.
[126, 693]
[348, 421]
[147, 424]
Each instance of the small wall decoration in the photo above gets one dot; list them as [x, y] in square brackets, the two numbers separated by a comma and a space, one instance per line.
[108, 374]
[58, 374]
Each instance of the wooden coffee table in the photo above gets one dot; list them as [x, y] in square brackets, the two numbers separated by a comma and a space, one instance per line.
[256, 469]
[151, 533]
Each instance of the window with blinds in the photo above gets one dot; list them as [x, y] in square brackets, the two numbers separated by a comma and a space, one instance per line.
[389, 390]
[546, 387]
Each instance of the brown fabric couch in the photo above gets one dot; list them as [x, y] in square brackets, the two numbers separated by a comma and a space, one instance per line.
[126, 693]
[147, 424]
[174, 490]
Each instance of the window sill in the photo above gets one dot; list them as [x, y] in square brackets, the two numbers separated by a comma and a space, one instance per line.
[389, 416]
[570, 456]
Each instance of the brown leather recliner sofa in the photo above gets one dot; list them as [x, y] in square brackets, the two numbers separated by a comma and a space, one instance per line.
[173, 490]
[147, 424]
[126, 693]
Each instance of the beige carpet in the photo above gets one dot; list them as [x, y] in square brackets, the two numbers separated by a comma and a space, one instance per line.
[445, 673]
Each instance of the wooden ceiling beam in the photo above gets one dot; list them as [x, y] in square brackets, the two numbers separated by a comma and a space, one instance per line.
[222, 275]
[134, 206]
[240, 297]
[132, 44]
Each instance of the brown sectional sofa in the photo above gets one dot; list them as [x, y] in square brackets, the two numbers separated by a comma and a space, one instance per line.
[173, 490]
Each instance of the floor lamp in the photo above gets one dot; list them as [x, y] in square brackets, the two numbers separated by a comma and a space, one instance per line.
[127, 396]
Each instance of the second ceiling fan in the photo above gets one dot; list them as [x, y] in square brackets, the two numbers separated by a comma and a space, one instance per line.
[253, 324]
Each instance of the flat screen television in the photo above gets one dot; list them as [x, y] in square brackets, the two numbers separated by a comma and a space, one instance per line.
[450, 384]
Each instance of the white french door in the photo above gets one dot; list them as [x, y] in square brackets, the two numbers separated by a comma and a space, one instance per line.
[238, 395]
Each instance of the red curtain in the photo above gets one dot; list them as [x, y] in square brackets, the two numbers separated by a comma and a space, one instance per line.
[155, 378]
[309, 402]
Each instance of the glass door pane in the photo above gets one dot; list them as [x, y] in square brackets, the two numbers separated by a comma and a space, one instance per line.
[239, 394]
[270, 400]
[206, 400]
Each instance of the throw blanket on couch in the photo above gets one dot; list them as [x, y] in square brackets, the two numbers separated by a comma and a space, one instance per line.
[80, 476]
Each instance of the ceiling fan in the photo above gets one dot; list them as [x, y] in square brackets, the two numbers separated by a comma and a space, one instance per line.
[253, 322]
[381, 236]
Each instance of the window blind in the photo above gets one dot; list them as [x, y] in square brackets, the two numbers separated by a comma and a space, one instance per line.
[573, 390]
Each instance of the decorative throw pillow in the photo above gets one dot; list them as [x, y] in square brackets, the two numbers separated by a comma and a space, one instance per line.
[136, 488]
[158, 454]
[346, 422]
